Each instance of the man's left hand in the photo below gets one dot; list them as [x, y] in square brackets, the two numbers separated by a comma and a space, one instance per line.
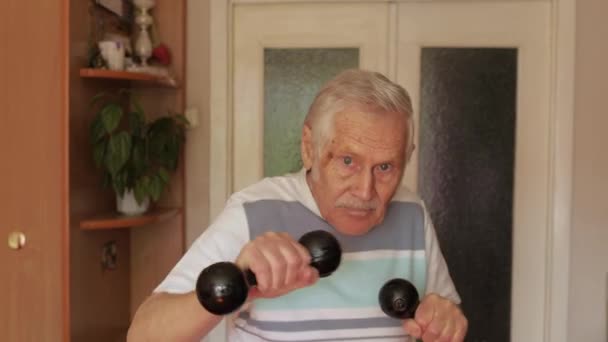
[437, 319]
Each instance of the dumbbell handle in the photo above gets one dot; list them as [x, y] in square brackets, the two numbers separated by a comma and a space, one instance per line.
[250, 278]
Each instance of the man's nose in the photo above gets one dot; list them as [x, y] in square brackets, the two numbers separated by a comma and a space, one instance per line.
[364, 185]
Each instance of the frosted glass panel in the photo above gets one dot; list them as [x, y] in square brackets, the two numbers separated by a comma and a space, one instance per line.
[466, 166]
[292, 78]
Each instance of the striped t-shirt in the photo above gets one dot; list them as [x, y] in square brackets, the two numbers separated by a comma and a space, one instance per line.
[341, 307]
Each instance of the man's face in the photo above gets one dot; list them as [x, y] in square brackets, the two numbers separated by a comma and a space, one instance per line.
[359, 168]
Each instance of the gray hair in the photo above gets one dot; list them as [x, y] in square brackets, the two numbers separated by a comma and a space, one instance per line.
[356, 87]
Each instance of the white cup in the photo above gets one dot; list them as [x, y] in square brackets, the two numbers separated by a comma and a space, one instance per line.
[113, 52]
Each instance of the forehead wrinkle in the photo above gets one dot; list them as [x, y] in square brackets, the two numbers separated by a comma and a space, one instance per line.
[354, 133]
[366, 128]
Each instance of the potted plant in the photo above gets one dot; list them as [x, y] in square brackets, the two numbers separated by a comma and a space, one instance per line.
[136, 155]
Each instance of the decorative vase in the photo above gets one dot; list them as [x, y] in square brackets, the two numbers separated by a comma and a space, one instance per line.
[127, 204]
[143, 44]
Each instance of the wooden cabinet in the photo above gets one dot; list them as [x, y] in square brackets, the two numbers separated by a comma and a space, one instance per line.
[54, 288]
[34, 170]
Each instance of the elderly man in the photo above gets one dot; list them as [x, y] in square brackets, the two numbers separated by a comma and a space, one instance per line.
[356, 141]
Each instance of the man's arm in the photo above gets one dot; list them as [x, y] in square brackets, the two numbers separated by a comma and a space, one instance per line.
[439, 280]
[171, 317]
[439, 316]
[172, 312]
[280, 264]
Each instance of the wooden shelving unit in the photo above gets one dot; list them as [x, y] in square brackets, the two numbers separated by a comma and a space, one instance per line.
[117, 221]
[127, 76]
[148, 246]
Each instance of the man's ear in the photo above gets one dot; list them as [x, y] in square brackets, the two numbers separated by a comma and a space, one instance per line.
[306, 147]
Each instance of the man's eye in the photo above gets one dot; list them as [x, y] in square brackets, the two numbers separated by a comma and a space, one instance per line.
[385, 167]
[347, 160]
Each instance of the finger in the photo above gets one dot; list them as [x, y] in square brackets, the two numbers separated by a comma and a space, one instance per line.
[428, 336]
[303, 252]
[426, 318]
[458, 336]
[307, 276]
[436, 326]
[259, 265]
[447, 332]
[292, 258]
[426, 312]
[304, 256]
[292, 263]
[461, 330]
[412, 328]
[254, 292]
[315, 276]
[277, 262]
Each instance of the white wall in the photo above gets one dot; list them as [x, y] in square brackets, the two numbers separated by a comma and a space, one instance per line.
[589, 242]
[197, 96]
[197, 145]
[589, 236]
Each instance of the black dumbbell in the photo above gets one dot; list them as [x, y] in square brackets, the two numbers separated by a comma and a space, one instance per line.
[399, 298]
[223, 287]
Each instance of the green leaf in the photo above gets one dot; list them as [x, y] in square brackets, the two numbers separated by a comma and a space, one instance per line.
[145, 180]
[163, 125]
[96, 98]
[138, 157]
[163, 174]
[110, 116]
[140, 191]
[156, 187]
[98, 152]
[136, 123]
[97, 130]
[119, 184]
[138, 108]
[118, 152]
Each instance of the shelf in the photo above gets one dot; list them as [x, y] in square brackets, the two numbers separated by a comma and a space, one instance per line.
[126, 75]
[115, 220]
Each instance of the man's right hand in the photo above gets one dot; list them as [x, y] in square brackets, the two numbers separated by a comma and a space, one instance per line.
[280, 265]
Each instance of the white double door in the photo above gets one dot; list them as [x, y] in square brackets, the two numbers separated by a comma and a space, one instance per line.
[390, 39]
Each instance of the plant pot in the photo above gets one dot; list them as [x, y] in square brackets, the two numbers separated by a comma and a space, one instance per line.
[127, 204]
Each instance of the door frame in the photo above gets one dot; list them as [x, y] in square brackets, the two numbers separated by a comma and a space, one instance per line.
[560, 149]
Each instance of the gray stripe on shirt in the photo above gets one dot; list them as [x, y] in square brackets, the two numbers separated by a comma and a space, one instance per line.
[328, 324]
[402, 228]
[382, 338]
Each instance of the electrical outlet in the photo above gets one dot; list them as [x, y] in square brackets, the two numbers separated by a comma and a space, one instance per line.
[109, 255]
[192, 115]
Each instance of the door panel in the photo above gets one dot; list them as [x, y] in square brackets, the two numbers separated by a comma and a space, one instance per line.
[425, 30]
[466, 172]
[318, 34]
[33, 170]
[292, 78]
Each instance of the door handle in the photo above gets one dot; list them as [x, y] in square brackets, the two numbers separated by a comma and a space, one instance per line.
[16, 240]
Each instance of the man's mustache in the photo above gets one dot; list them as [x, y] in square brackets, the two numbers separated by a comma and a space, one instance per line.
[350, 203]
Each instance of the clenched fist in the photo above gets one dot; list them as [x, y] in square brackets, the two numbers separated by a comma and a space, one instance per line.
[437, 319]
[280, 265]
